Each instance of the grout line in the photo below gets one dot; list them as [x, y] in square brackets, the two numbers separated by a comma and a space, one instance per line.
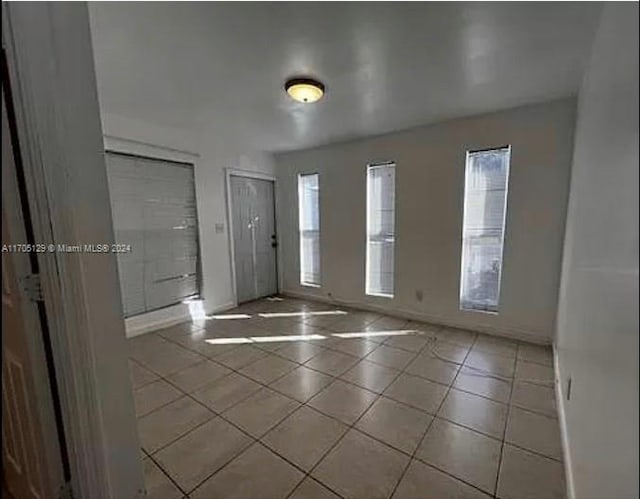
[415, 354]
[504, 432]
[424, 434]
[151, 458]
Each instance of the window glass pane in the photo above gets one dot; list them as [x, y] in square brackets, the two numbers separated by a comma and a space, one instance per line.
[380, 229]
[483, 228]
[309, 228]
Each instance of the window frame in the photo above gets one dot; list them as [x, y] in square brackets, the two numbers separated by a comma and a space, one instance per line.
[367, 290]
[300, 236]
[464, 304]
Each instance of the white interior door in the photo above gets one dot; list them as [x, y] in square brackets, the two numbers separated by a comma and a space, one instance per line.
[254, 237]
[32, 463]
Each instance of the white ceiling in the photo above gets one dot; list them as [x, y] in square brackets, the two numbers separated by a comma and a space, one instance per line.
[218, 68]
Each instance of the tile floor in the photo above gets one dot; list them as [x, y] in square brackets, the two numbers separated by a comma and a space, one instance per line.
[245, 408]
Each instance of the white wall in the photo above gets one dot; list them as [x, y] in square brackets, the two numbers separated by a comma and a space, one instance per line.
[597, 335]
[429, 202]
[210, 157]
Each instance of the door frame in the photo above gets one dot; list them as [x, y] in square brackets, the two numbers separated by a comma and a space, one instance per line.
[49, 55]
[232, 172]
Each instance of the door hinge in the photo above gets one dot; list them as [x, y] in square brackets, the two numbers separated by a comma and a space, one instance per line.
[32, 287]
[65, 491]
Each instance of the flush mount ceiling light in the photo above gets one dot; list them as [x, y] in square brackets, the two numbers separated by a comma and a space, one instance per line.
[304, 90]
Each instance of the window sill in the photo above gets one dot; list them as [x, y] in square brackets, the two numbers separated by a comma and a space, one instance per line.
[479, 310]
[380, 295]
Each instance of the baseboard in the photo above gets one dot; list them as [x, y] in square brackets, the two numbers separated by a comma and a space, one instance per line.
[159, 319]
[166, 317]
[562, 421]
[416, 316]
[222, 308]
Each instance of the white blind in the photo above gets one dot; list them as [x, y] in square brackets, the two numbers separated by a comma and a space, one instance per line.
[309, 228]
[154, 211]
[483, 228]
[380, 229]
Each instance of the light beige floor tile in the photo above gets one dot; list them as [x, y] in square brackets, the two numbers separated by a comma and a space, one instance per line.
[491, 363]
[475, 412]
[170, 422]
[424, 482]
[391, 357]
[277, 326]
[450, 352]
[343, 401]
[226, 392]
[300, 351]
[178, 330]
[163, 357]
[310, 489]
[361, 468]
[534, 432]
[323, 321]
[474, 381]
[198, 375]
[268, 369]
[302, 383]
[424, 327]
[536, 353]
[534, 373]
[241, 356]
[332, 363]
[456, 336]
[527, 476]
[157, 484]
[371, 376]
[388, 323]
[154, 395]
[417, 392]
[256, 473]
[535, 398]
[497, 346]
[396, 424]
[434, 369]
[304, 437]
[140, 375]
[194, 457]
[354, 346]
[411, 342]
[464, 453]
[261, 411]
[143, 342]
[197, 342]
[353, 322]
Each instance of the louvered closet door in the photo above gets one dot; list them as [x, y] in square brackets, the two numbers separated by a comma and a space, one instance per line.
[254, 237]
[154, 211]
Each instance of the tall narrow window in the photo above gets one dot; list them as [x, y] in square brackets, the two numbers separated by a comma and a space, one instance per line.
[381, 180]
[309, 228]
[485, 203]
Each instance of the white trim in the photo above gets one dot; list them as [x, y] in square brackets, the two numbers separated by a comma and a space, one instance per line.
[510, 333]
[152, 321]
[49, 53]
[131, 146]
[367, 257]
[562, 421]
[504, 226]
[228, 173]
[156, 319]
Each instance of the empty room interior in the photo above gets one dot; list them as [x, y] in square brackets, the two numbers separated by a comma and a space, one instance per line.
[372, 250]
